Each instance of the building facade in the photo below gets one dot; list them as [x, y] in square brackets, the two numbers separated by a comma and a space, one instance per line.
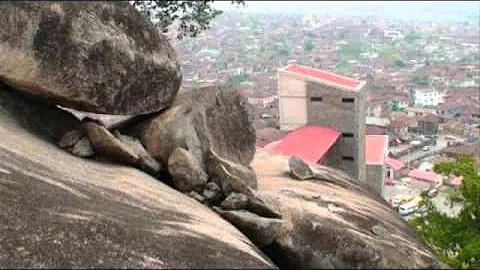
[310, 96]
[426, 97]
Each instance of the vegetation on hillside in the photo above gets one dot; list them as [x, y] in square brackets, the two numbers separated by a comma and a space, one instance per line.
[456, 240]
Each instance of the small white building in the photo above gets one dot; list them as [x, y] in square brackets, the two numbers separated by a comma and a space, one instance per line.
[393, 34]
[426, 97]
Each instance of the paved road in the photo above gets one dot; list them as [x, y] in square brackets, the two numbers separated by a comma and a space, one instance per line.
[441, 144]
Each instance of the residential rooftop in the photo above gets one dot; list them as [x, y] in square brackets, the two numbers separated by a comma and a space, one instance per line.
[309, 143]
[325, 77]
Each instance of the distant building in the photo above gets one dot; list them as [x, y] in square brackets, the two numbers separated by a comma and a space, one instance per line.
[393, 34]
[428, 125]
[399, 104]
[417, 111]
[309, 96]
[394, 168]
[426, 97]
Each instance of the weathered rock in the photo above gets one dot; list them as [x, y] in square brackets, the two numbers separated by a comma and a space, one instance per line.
[82, 148]
[105, 144]
[299, 169]
[229, 182]
[334, 230]
[101, 57]
[235, 201]
[216, 166]
[212, 193]
[37, 117]
[199, 120]
[260, 208]
[186, 172]
[379, 230]
[71, 138]
[145, 161]
[60, 211]
[196, 196]
[261, 231]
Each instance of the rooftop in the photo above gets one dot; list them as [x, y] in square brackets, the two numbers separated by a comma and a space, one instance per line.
[375, 149]
[326, 77]
[425, 175]
[394, 163]
[309, 143]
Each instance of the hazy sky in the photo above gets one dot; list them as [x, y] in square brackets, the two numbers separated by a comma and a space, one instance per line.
[398, 9]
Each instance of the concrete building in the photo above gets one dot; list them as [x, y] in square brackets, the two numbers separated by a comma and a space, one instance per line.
[426, 97]
[376, 150]
[428, 124]
[309, 96]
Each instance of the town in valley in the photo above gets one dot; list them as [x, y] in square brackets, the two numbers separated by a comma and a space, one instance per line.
[421, 85]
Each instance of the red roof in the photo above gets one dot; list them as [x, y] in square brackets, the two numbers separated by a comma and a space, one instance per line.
[310, 143]
[325, 76]
[376, 149]
[395, 163]
[425, 175]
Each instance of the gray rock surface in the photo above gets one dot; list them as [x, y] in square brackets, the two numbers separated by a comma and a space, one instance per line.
[212, 193]
[83, 148]
[329, 225]
[216, 165]
[61, 211]
[299, 169]
[101, 57]
[199, 120]
[105, 144]
[261, 231]
[187, 174]
[196, 196]
[71, 138]
[235, 201]
[229, 176]
[145, 161]
[262, 209]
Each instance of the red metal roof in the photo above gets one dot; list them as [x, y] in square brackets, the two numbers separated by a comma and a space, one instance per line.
[425, 175]
[376, 149]
[309, 143]
[325, 76]
[394, 163]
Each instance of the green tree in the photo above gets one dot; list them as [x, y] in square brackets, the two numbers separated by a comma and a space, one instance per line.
[193, 16]
[455, 239]
[308, 46]
[238, 78]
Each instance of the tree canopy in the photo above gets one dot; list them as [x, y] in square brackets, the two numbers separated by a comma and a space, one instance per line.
[455, 239]
[193, 16]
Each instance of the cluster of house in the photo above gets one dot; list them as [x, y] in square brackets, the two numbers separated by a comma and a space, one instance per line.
[323, 120]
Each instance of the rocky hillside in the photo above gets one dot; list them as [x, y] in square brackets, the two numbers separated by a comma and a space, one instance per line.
[179, 186]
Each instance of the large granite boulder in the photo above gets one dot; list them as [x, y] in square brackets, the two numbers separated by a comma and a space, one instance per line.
[200, 120]
[101, 57]
[186, 172]
[62, 211]
[335, 225]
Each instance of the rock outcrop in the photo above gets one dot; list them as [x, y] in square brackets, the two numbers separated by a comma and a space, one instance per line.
[204, 119]
[260, 230]
[62, 211]
[334, 225]
[101, 57]
[186, 172]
